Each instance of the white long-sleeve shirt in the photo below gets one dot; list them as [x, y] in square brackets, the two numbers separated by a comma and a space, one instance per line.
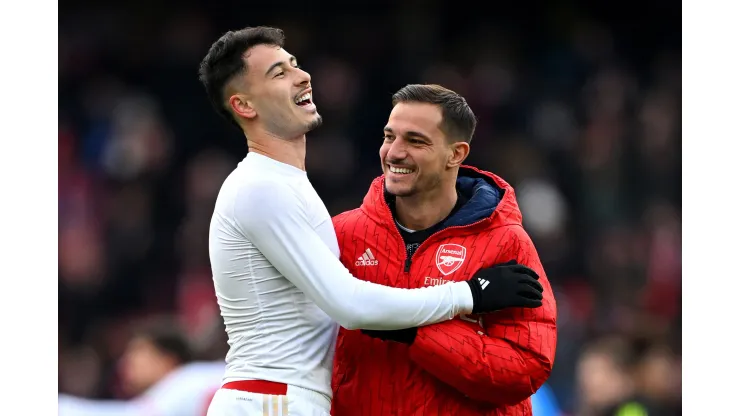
[280, 285]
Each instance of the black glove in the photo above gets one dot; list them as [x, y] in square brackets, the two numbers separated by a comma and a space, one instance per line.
[502, 286]
[507, 285]
[404, 336]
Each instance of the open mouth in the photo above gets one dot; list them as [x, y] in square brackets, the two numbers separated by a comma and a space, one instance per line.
[304, 100]
[400, 171]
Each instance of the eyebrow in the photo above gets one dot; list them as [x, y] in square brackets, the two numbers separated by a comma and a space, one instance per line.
[292, 60]
[409, 133]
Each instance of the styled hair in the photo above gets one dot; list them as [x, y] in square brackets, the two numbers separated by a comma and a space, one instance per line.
[225, 60]
[167, 337]
[458, 120]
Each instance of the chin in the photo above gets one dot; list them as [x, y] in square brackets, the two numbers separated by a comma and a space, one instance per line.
[306, 126]
[315, 122]
[310, 124]
[399, 191]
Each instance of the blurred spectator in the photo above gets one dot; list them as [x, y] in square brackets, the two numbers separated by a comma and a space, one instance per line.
[604, 378]
[616, 378]
[159, 376]
[151, 354]
[579, 110]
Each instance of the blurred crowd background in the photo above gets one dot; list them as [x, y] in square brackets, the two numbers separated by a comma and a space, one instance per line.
[579, 107]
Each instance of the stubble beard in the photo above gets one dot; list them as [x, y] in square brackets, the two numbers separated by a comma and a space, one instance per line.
[418, 187]
[315, 123]
[311, 125]
[278, 128]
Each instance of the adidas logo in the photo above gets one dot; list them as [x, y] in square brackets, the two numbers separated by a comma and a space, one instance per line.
[366, 259]
[483, 283]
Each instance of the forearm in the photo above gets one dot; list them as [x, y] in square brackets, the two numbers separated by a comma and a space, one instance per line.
[355, 303]
[294, 248]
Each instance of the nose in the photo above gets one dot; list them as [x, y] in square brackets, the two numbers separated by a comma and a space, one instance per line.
[303, 77]
[397, 151]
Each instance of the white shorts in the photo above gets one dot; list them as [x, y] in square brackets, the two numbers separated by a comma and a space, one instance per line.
[297, 402]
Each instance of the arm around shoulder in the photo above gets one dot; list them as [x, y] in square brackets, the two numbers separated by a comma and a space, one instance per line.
[274, 217]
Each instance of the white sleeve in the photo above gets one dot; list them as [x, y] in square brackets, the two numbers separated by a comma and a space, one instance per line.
[274, 218]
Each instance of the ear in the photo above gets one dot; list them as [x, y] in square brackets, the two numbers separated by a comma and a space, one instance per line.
[241, 106]
[459, 151]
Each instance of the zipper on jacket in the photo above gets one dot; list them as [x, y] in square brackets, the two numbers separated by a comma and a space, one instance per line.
[418, 249]
[407, 263]
[407, 260]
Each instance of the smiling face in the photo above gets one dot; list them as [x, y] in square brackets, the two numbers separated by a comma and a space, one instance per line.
[275, 93]
[416, 155]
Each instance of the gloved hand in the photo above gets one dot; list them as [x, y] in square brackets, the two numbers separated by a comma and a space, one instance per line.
[507, 285]
[501, 286]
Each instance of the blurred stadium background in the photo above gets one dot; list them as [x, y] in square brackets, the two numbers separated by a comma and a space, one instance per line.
[579, 106]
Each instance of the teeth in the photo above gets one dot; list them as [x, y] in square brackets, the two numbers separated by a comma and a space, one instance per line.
[400, 170]
[304, 97]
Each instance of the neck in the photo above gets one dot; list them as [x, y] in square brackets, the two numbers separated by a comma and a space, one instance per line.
[421, 211]
[288, 151]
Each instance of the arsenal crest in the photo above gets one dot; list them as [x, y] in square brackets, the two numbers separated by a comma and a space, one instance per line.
[449, 258]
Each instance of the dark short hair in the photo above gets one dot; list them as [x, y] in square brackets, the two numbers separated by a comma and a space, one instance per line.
[167, 337]
[458, 120]
[225, 60]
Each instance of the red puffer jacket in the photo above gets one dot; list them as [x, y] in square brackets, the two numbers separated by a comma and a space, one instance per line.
[473, 365]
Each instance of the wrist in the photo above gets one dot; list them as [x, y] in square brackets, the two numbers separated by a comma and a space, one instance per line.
[463, 298]
[476, 295]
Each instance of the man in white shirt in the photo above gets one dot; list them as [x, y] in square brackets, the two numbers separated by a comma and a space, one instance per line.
[273, 249]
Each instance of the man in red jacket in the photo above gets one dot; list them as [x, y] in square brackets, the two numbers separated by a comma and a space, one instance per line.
[438, 221]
